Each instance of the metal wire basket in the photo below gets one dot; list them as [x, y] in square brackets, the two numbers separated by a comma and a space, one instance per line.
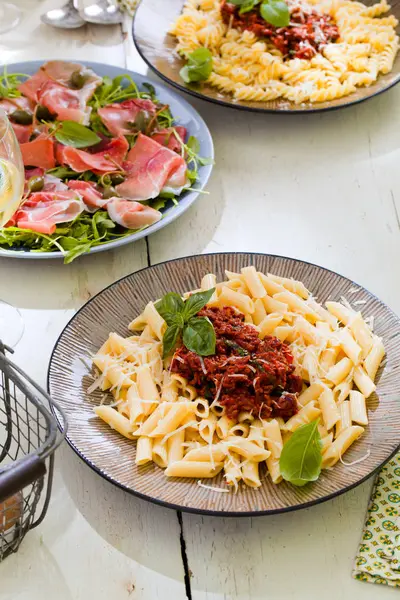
[28, 439]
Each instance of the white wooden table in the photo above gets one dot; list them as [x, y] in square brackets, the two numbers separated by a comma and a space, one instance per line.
[323, 188]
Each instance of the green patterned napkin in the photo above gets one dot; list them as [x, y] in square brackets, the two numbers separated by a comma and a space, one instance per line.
[378, 558]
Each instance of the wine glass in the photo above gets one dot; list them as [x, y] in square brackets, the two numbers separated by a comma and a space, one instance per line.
[12, 179]
[10, 16]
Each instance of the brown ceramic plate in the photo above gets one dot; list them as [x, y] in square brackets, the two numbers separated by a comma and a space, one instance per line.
[152, 21]
[113, 457]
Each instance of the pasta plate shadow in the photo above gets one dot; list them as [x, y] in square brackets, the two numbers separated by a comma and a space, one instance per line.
[113, 457]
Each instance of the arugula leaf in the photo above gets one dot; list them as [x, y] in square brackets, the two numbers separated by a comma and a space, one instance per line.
[63, 173]
[193, 144]
[275, 12]
[196, 302]
[301, 457]
[77, 251]
[199, 336]
[76, 135]
[9, 83]
[198, 67]
[170, 338]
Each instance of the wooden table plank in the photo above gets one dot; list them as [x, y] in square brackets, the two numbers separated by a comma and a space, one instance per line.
[97, 541]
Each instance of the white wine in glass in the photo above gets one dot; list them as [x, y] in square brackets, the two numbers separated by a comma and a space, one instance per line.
[12, 180]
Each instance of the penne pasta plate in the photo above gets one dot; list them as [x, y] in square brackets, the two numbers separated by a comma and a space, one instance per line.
[249, 377]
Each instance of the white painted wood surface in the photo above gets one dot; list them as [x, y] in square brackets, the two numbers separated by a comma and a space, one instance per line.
[323, 188]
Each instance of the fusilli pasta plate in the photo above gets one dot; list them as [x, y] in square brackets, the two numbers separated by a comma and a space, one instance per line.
[353, 53]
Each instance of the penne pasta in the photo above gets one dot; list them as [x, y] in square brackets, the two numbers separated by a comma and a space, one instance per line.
[339, 446]
[374, 357]
[358, 409]
[330, 412]
[279, 352]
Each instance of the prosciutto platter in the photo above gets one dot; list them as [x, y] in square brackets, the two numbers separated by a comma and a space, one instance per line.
[108, 157]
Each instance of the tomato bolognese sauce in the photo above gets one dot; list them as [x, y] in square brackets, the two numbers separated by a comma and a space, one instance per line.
[307, 32]
[246, 373]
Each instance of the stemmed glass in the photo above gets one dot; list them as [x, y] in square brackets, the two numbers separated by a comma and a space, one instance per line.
[12, 180]
[10, 16]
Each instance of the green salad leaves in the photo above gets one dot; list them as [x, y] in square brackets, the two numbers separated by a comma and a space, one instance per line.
[301, 457]
[198, 67]
[197, 333]
[275, 12]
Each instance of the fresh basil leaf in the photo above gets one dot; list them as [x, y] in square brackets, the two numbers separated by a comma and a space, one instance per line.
[76, 135]
[169, 305]
[193, 144]
[196, 302]
[275, 12]
[198, 67]
[301, 457]
[248, 5]
[170, 338]
[199, 336]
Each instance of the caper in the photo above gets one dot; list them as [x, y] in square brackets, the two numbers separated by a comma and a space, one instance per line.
[22, 117]
[35, 183]
[109, 192]
[117, 178]
[77, 80]
[43, 114]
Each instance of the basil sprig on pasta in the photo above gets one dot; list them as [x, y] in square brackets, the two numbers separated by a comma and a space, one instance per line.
[197, 333]
[275, 12]
[198, 67]
[301, 457]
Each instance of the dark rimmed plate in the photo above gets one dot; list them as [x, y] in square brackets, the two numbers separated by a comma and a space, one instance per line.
[154, 18]
[184, 114]
[112, 456]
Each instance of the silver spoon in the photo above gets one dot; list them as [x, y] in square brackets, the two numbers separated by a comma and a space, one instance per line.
[66, 17]
[102, 13]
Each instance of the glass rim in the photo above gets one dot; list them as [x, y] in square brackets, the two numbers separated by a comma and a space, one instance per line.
[4, 118]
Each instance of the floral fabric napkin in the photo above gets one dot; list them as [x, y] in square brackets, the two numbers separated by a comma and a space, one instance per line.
[378, 558]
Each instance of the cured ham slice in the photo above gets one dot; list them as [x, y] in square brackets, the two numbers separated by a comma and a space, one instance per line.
[166, 137]
[43, 210]
[132, 215]
[10, 105]
[60, 72]
[109, 159]
[66, 104]
[39, 153]
[22, 132]
[90, 195]
[120, 118]
[149, 166]
[177, 182]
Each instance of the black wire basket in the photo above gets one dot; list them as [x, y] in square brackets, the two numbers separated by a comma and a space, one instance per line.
[28, 438]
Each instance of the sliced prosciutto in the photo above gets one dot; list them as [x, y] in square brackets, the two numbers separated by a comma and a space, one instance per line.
[10, 105]
[66, 104]
[90, 195]
[120, 119]
[39, 153]
[167, 137]
[60, 72]
[22, 132]
[132, 215]
[109, 159]
[149, 166]
[43, 210]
